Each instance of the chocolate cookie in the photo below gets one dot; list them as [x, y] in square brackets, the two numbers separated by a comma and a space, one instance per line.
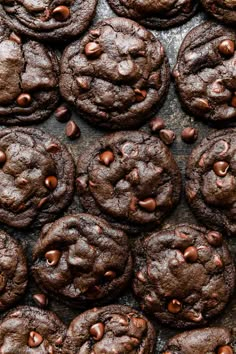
[205, 73]
[130, 178]
[28, 330]
[36, 177]
[223, 10]
[116, 75]
[111, 329]
[28, 79]
[156, 14]
[202, 341]
[82, 259]
[184, 275]
[13, 277]
[48, 20]
[210, 180]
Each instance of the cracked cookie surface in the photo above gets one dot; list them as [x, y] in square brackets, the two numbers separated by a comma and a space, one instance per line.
[223, 10]
[184, 275]
[130, 178]
[111, 329]
[48, 20]
[28, 79]
[116, 75]
[156, 14]
[205, 73]
[29, 330]
[210, 180]
[36, 177]
[82, 260]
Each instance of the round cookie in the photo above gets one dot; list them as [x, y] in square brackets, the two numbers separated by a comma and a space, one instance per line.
[184, 275]
[36, 177]
[222, 10]
[48, 20]
[111, 329]
[210, 181]
[116, 75]
[156, 14]
[28, 330]
[28, 79]
[202, 341]
[13, 266]
[129, 178]
[81, 259]
[205, 74]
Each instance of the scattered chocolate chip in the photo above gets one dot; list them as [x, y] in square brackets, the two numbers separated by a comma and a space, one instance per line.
[59, 341]
[24, 100]
[107, 157]
[139, 322]
[83, 83]
[41, 300]
[35, 339]
[233, 101]
[214, 238]
[157, 124]
[140, 277]
[51, 182]
[148, 204]
[110, 274]
[220, 168]
[53, 257]
[195, 317]
[93, 50]
[202, 104]
[2, 157]
[95, 32]
[225, 349]
[126, 68]
[61, 13]
[227, 47]
[97, 331]
[72, 130]
[63, 114]
[53, 148]
[174, 306]
[189, 135]
[218, 262]
[167, 136]
[140, 95]
[42, 202]
[13, 37]
[191, 254]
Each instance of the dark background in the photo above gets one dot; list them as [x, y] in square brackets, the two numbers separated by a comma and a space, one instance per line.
[176, 120]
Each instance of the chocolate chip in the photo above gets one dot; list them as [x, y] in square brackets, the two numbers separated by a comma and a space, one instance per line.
[61, 13]
[191, 254]
[140, 277]
[148, 204]
[140, 95]
[53, 148]
[59, 341]
[195, 317]
[139, 322]
[2, 157]
[107, 157]
[13, 37]
[189, 135]
[167, 136]
[72, 130]
[220, 168]
[42, 202]
[24, 100]
[95, 32]
[110, 275]
[126, 68]
[63, 114]
[51, 182]
[35, 339]
[157, 124]
[214, 238]
[218, 262]
[174, 306]
[93, 50]
[97, 331]
[202, 104]
[41, 300]
[83, 83]
[53, 257]
[225, 349]
[227, 47]
[233, 101]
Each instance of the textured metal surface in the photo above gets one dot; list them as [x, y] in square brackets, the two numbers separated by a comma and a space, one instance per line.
[175, 119]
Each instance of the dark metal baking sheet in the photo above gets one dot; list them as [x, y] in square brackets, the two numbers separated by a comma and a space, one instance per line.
[175, 119]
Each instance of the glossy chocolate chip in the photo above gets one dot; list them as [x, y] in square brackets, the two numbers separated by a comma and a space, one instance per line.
[110, 275]
[233, 101]
[148, 204]
[220, 168]
[93, 50]
[2, 157]
[174, 306]
[214, 238]
[107, 157]
[167, 136]
[140, 95]
[61, 13]
[227, 47]
[53, 148]
[53, 257]
[41, 300]
[51, 182]
[225, 349]
[24, 100]
[191, 254]
[97, 331]
[15, 38]
[72, 130]
[202, 104]
[63, 114]
[139, 322]
[189, 135]
[83, 83]
[35, 339]
[157, 124]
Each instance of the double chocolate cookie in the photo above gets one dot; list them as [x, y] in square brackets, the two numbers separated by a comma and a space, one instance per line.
[202, 341]
[116, 75]
[205, 73]
[210, 180]
[130, 178]
[48, 20]
[223, 10]
[27, 330]
[36, 177]
[111, 329]
[28, 79]
[13, 268]
[184, 275]
[156, 14]
[82, 259]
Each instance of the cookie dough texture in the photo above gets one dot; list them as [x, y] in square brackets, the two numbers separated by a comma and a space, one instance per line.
[222, 10]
